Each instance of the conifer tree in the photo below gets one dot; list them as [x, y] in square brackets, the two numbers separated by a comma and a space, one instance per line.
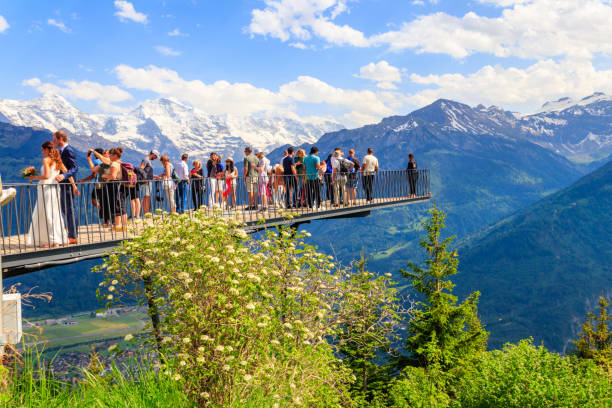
[595, 341]
[441, 332]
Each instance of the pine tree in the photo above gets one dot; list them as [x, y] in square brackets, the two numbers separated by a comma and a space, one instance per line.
[595, 341]
[441, 333]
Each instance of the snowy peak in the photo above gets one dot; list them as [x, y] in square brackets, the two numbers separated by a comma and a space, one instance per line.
[566, 102]
[580, 130]
[456, 116]
[165, 124]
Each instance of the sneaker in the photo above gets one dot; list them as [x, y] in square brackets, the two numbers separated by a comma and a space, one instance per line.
[7, 195]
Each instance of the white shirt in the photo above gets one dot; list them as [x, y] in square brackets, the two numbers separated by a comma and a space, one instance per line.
[182, 171]
[370, 163]
[264, 163]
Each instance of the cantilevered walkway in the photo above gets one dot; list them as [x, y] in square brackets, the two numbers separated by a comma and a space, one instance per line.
[20, 256]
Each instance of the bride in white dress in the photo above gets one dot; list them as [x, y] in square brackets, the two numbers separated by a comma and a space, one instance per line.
[48, 228]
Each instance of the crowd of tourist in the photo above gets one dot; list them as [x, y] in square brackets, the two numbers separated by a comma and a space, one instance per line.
[120, 189]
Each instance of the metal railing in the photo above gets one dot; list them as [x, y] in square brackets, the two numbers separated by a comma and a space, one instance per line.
[49, 215]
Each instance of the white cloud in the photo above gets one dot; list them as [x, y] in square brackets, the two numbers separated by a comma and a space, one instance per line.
[125, 11]
[533, 29]
[312, 90]
[525, 28]
[222, 97]
[515, 88]
[105, 95]
[33, 82]
[301, 19]
[177, 33]
[218, 98]
[299, 45]
[4, 25]
[382, 73]
[59, 24]
[167, 51]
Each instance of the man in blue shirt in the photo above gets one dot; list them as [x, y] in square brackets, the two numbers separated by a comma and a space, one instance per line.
[313, 188]
[289, 174]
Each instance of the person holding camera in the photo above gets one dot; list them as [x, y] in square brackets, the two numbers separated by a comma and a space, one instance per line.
[98, 168]
[147, 188]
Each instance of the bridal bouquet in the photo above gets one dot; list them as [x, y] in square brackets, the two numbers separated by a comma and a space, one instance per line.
[29, 171]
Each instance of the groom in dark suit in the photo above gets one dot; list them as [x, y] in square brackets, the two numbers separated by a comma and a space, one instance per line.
[60, 139]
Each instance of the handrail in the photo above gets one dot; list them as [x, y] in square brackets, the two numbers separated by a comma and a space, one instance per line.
[112, 211]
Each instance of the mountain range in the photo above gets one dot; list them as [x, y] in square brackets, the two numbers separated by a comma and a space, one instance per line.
[580, 130]
[164, 124]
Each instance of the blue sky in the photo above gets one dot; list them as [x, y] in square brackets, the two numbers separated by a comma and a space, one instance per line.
[352, 60]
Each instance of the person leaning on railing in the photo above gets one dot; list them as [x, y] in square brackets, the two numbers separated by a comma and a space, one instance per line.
[300, 170]
[289, 173]
[146, 188]
[231, 174]
[413, 174]
[250, 175]
[112, 190]
[196, 176]
[351, 182]
[312, 164]
[278, 186]
[98, 169]
[369, 168]
[167, 182]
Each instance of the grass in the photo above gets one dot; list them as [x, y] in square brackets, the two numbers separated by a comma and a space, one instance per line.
[32, 385]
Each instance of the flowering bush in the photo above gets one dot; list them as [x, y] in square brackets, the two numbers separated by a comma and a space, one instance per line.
[238, 317]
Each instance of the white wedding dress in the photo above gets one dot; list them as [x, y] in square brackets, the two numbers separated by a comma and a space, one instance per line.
[47, 227]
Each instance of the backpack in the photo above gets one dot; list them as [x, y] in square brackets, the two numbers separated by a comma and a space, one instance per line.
[356, 166]
[328, 163]
[344, 167]
[175, 178]
[128, 175]
[141, 175]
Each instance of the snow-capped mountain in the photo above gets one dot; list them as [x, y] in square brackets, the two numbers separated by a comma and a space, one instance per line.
[164, 124]
[580, 130]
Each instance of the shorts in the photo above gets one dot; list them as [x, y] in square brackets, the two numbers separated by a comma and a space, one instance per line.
[251, 184]
[351, 182]
[130, 193]
[146, 189]
[262, 188]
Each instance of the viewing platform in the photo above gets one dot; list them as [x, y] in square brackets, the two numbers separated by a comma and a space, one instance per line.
[20, 255]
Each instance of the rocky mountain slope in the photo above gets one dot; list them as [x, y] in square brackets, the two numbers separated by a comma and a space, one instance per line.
[580, 130]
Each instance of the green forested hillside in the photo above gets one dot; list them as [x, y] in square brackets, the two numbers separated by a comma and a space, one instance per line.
[540, 270]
